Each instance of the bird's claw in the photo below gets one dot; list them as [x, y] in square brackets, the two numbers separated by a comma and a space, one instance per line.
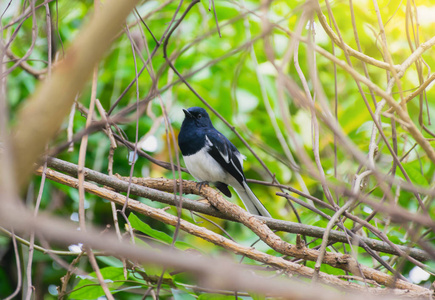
[199, 185]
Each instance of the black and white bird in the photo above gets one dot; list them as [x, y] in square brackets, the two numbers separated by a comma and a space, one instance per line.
[211, 157]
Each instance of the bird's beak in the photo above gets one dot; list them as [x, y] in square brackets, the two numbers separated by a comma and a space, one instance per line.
[187, 113]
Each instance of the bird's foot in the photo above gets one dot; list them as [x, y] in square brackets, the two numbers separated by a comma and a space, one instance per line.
[199, 185]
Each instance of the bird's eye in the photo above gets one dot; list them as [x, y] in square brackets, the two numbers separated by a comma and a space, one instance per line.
[199, 116]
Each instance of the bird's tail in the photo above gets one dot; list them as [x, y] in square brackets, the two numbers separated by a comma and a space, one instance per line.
[251, 202]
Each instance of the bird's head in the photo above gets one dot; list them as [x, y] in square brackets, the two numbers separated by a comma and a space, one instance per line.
[197, 116]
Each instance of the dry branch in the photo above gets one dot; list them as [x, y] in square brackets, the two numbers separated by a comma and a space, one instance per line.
[38, 74]
[359, 55]
[400, 69]
[344, 262]
[255, 225]
[214, 273]
[159, 186]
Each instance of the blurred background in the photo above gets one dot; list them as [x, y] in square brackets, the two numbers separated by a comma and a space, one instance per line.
[240, 75]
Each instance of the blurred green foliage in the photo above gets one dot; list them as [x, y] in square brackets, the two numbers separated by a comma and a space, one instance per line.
[231, 86]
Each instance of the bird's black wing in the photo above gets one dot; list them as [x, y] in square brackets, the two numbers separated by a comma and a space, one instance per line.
[226, 154]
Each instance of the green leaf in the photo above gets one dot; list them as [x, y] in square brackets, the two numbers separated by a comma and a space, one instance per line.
[181, 295]
[137, 224]
[110, 261]
[156, 271]
[414, 174]
[89, 288]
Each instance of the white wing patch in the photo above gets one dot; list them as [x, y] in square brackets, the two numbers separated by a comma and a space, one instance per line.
[226, 156]
[208, 143]
[235, 167]
[241, 158]
[204, 167]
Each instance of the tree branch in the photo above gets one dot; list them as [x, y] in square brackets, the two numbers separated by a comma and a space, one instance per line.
[254, 224]
[154, 188]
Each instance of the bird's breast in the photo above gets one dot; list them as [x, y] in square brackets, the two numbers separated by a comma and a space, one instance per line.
[204, 167]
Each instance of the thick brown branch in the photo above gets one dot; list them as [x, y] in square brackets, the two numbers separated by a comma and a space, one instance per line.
[139, 188]
[260, 228]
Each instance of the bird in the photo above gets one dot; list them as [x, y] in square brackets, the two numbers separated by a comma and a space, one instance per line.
[211, 158]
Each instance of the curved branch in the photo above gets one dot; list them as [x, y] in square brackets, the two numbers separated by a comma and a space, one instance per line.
[361, 56]
[336, 260]
[38, 74]
[152, 188]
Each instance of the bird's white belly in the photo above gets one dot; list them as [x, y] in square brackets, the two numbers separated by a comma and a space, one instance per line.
[204, 167]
